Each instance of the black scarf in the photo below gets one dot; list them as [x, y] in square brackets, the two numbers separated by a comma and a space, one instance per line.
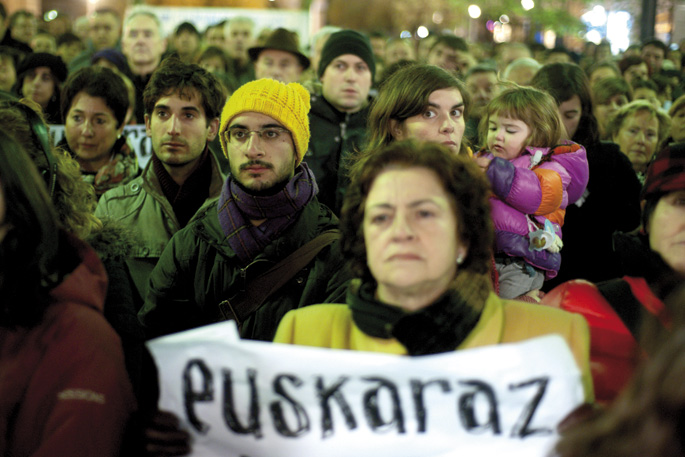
[440, 327]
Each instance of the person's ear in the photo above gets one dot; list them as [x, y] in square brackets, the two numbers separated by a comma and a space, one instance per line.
[396, 130]
[212, 129]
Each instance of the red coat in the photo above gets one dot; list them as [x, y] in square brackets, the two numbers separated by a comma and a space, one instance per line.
[614, 353]
[64, 390]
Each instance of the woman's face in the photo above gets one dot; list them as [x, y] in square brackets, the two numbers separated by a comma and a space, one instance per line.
[39, 86]
[666, 228]
[571, 111]
[410, 233]
[603, 111]
[91, 130]
[638, 137]
[442, 121]
[678, 125]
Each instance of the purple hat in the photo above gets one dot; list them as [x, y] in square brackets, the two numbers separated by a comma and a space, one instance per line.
[113, 56]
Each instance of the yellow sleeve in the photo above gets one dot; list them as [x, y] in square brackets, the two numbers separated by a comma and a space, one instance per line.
[286, 329]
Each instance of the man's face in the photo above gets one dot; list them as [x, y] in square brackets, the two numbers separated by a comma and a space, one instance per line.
[346, 83]
[104, 31]
[8, 73]
[142, 43]
[44, 42]
[640, 71]
[69, 51]
[483, 87]
[654, 56]
[215, 37]
[258, 163]
[378, 46]
[443, 56]
[179, 129]
[279, 65]
[239, 39]
[186, 43]
[24, 28]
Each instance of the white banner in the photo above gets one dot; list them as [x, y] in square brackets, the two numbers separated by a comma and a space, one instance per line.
[255, 399]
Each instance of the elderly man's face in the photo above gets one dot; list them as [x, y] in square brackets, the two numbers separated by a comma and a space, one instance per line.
[142, 42]
[279, 65]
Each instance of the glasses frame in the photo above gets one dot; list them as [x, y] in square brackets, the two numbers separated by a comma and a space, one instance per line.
[259, 132]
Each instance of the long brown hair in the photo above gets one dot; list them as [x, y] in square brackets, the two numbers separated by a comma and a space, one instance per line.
[405, 94]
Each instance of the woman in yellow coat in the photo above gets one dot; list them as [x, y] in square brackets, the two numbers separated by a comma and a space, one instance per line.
[417, 232]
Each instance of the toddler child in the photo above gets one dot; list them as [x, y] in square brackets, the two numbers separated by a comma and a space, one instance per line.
[535, 175]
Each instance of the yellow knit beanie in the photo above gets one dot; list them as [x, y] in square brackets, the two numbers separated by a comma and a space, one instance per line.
[286, 103]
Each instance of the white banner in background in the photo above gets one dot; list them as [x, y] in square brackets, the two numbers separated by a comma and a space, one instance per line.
[254, 399]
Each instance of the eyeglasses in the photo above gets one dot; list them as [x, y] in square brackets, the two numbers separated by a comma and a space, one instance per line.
[239, 135]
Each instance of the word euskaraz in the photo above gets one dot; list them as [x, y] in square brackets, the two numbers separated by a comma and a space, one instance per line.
[330, 394]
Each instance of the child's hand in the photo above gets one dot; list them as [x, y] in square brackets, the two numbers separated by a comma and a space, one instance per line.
[483, 162]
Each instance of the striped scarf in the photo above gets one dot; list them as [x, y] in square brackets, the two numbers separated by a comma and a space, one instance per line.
[237, 207]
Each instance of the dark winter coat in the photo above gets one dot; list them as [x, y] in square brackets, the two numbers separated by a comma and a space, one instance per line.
[198, 270]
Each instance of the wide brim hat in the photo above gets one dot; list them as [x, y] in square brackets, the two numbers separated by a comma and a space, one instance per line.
[281, 40]
[42, 59]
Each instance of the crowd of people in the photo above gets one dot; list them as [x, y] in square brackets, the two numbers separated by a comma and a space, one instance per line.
[359, 192]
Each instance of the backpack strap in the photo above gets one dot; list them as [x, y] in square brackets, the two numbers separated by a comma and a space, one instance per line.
[262, 287]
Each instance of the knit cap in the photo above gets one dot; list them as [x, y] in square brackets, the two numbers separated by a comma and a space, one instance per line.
[347, 42]
[286, 103]
[667, 172]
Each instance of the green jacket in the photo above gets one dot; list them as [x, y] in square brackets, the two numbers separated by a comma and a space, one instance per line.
[198, 270]
[142, 207]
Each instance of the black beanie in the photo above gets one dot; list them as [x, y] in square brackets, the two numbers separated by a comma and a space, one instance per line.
[347, 42]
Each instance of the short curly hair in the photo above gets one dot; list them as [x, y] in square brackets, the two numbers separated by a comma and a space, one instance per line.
[636, 106]
[460, 176]
[175, 77]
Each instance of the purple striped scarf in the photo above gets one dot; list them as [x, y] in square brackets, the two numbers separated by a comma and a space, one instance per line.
[237, 207]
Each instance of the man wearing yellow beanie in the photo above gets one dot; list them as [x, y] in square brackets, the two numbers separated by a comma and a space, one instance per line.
[245, 243]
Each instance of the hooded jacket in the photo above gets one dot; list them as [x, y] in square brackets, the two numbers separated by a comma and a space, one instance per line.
[63, 383]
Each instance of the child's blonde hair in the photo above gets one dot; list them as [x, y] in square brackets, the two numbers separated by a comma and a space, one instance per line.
[537, 109]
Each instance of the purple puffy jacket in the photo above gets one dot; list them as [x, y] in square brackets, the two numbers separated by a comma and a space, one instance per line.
[540, 183]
